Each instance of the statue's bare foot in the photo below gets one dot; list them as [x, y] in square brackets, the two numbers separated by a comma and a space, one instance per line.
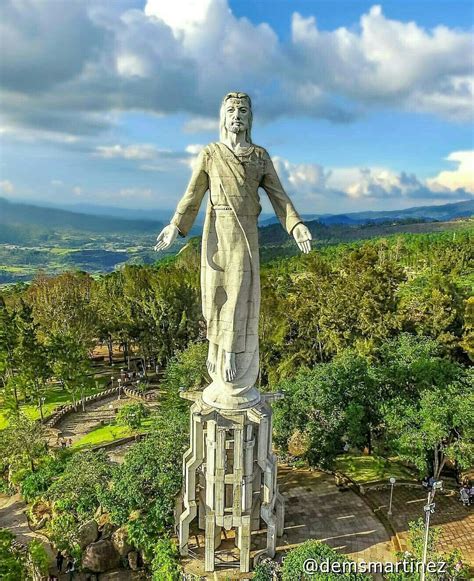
[230, 369]
[212, 358]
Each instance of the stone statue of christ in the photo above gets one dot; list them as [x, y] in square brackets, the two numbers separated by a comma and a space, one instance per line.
[232, 170]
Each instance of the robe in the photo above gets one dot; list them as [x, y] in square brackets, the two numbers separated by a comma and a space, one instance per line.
[230, 281]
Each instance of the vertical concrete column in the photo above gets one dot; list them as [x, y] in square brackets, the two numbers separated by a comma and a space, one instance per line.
[249, 442]
[219, 500]
[209, 542]
[210, 464]
[191, 461]
[280, 514]
[244, 544]
[237, 475]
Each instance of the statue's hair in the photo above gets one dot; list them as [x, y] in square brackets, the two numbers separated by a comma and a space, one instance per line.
[222, 127]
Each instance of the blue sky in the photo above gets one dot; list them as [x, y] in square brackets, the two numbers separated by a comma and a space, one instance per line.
[362, 105]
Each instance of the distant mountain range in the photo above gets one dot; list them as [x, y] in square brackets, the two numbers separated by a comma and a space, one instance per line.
[442, 213]
[102, 219]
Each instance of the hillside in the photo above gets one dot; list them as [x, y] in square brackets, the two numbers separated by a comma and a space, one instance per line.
[34, 238]
[25, 222]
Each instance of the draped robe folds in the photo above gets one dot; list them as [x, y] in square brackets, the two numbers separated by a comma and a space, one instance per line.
[230, 281]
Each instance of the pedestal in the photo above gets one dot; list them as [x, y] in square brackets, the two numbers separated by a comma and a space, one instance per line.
[232, 452]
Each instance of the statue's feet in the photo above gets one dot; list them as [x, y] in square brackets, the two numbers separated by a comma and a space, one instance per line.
[212, 358]
[230, 368]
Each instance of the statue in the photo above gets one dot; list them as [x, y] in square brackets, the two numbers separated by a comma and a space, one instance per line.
[232, 170]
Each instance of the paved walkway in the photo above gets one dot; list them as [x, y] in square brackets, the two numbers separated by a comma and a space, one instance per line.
[315, 508]
[77, 424]
[455, 521]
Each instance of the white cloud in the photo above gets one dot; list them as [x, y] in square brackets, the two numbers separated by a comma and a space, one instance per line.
[311, 182]
[194, 148]
[139, 151]
[6, 187]
[182, 56]
[460, 178]
[388, 62]
[201, 124]
[303, 178]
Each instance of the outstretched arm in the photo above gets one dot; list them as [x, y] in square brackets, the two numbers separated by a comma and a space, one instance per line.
[283, 206]
[188, 207]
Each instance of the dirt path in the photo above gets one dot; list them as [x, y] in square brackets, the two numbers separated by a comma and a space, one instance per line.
[13, 518]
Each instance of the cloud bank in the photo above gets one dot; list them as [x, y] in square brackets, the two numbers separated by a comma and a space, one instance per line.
[92, 58]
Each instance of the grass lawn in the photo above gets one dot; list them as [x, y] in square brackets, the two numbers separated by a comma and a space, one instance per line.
[103, 434]
[54, 397]
[364, 469]
[109, 433]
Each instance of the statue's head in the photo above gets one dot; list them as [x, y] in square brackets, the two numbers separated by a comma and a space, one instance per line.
[236, 115]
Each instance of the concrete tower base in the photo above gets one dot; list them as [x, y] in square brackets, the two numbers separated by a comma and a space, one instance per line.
[230, 478]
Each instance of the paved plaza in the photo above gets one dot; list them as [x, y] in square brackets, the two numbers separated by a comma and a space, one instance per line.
[316, 509]
[456, 522]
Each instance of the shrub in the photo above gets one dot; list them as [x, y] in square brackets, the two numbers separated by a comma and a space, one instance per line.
[165, 566]
[294, 564]
[132, 415]
[34, 484]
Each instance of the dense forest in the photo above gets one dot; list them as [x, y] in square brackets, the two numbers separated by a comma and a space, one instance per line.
[372, 343]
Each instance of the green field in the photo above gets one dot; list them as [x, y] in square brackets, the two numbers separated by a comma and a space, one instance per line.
[110, 433]
[365, 469]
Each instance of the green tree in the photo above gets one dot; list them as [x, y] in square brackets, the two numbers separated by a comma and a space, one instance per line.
[432, 304]
[328, 402]
[78, 489]
[8, 343]
[31, 357]
[71, 365]
[23, 443]
[62, 306]
[132, 415]
[12, 561]
[436, 427]
[143, 488]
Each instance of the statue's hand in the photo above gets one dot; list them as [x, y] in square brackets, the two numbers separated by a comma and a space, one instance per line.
[166, 237]
[303, 237]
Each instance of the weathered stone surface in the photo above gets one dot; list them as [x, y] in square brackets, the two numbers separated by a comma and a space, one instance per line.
[100, 556]
[87, 533]
[133, 560]
[120, 541]
[107, 530]
[232, 170]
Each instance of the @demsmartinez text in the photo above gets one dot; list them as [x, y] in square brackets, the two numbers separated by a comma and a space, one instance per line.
[312, 566]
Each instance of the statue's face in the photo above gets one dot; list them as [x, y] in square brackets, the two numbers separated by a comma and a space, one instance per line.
[237, 114]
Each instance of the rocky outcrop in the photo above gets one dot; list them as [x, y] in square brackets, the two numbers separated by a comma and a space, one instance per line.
[120, 542]
[87, 533]
[100, 556]
[133, 560]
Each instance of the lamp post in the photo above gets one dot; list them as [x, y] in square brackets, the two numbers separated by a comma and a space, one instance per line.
[119, 388]
[429, 509]
[392, 483]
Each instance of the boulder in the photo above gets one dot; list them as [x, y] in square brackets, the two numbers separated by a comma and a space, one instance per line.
[133, 560]
[100, 556]
[120, 541]
[107, 530]
[87, 533]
